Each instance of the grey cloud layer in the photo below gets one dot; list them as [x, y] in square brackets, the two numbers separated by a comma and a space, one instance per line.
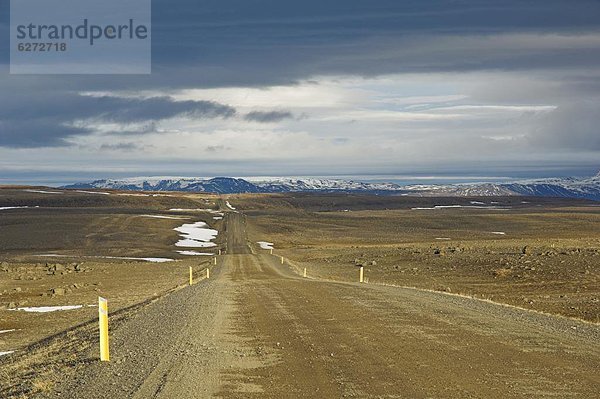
[278, 42]
[252, 43]
[270, 116]
[47, 120]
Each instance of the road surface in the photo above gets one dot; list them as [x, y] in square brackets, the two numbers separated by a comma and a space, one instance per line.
[257, 330]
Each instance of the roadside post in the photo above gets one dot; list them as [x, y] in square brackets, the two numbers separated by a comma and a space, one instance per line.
[191, 275]
[103, 322]
[271, 251]
[305, 272]
[361, 275]
[282, 260]
[207, 272]
[215, 262]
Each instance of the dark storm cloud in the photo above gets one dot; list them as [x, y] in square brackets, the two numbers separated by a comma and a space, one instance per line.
[45, 120]
[277, 42]
[268, 117]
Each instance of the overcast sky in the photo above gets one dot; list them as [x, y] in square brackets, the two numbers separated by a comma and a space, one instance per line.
[322, 87]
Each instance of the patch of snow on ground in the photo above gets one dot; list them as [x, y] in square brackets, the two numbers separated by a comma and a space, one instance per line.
[500, 233]
[196, 235]
[6, 353]
[437, 207]
[218, 217]
[191, 210]
[92, 192]
[7, 331]
[194, 253]
[154, 260]
[265, 245]
[477, 203]
[443, 238]
[229, 206]
[5, 208]
[47, 309]
[44, 192]
[164, 217]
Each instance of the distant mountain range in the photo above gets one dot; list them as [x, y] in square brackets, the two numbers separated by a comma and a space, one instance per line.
[588, 188]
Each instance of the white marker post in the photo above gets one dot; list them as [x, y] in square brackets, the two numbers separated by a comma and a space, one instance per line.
[305, 272]
[282, 260]
[215, 262]
[361, 275]
[219, 252]
[271, 251]
[103, 323]
[207, 273]
[191, 275]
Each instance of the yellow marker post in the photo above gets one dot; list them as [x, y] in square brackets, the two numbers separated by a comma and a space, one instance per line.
[361, 276]
[207, 273]
[305, 272]
[103, 322]
[191, 275]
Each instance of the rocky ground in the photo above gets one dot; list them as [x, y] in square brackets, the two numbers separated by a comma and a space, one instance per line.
[266, 332]
[534, 254]
[85, 229]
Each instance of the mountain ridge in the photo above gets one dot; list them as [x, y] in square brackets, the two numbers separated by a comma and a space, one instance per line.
[586, 188]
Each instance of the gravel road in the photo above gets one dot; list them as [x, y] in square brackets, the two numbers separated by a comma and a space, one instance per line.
[257, 330]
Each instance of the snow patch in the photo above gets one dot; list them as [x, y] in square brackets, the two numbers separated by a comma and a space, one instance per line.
[229, 206]
[6, 353]
[47, 309]
[437, 207]
[5, 208]
[7, 331]
[154, 260]
[500, 233]
[164, 217]
[196, 210]
[194, 253]
[443, 238]
[265, 245]
[44, 192]
[196, 235]
[91, 192]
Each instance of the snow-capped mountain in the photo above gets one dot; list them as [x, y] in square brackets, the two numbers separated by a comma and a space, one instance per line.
[220, 185]
[230, 185]
[569, 187]
[281, 184]
[588, 188]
